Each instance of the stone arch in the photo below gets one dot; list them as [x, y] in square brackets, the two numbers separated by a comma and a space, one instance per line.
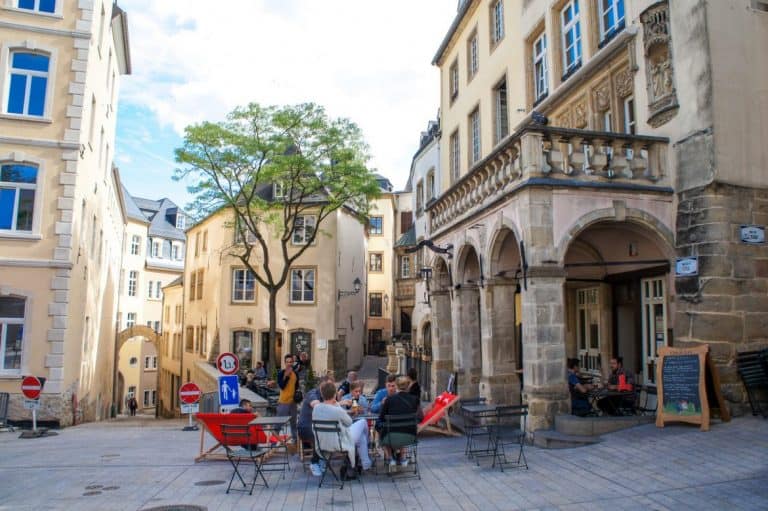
[501, 227]
[503, 253]
[139, 331]
[632, 216]
[150, 335]
[441, 274]
[468, 265]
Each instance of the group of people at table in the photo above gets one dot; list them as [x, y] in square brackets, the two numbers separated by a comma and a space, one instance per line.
[351, 409]
[616, 395]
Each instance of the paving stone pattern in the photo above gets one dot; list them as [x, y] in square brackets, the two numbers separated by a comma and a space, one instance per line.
[134, 465]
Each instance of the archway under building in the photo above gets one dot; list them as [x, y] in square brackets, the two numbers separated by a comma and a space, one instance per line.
[617, 296]
[441, 326]
[142, 375]
[467, 350]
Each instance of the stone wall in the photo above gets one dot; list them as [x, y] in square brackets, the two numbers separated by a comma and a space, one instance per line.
[55, 408]
[726, 305]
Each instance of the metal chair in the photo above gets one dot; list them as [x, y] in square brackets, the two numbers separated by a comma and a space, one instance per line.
[395, 434]
[330, 449]
[509, 431]
[647, 400]
[238, 443]
[477, 426]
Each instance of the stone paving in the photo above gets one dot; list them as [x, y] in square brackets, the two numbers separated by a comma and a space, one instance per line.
[141, 464]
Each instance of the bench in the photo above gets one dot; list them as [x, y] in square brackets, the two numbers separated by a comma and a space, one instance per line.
[753, 369]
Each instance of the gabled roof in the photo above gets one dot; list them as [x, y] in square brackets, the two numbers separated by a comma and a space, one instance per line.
[132, 210]
[175, 282]
[157, 213]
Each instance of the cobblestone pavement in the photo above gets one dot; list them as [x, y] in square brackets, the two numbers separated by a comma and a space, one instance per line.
[140, 464]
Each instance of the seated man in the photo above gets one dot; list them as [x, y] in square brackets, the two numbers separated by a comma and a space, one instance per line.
[579, 401]
[245, 407]
[355, 394]
[260, 373]
[382, 394]
[354, 436]
[400, 404]
[612, 404]
[312, 399]
[346, 385]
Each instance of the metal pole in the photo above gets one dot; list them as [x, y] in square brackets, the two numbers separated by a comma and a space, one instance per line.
[34, 420]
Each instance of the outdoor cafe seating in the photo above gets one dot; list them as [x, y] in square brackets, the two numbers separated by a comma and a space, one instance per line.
[241, 443]
[496, 431]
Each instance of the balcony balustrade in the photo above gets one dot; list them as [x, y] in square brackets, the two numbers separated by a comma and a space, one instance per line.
[550, 156]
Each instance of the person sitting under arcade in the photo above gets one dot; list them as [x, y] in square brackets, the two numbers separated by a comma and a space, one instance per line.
[579, 391]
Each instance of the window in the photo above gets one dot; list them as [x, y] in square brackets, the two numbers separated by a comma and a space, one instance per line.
[181, 221]
[28, 83]
[376, 226]
[453, 80]
[611, 19]
[497, 22]
[571, 29]
[101, 28]
[278, 191]
[132, 390]
[192, 286]
[156, 328]
[177, 315]
[150, 362]
[149, 397]
[92, 122]
[197, 244]
[242, 347]
[11, 332]
[629, 115]
[203, 339]
[301, 342]
[419, 196]
[405, 267]
[130, 320]
[302, 285]
[149, 290]
[18, 183]
[133, 278]
[474, 136]
[473, 58]
[607, 121]
[135, 244]
[501, 116]
[133, 362]
[430, 185]
[205, 241]
[158, 290]
[175, 252]
[199, 284]
[167, 313]
[243, 285]
[455, 155]
[149, 324]
[303, 229]
[374, 305]
[190, 341]
[155, 249]
[375, 262]
[540, 73]
[38, 5]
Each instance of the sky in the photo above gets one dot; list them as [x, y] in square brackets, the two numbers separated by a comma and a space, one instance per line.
[195, 60]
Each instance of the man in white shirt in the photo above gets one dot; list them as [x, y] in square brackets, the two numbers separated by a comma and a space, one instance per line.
[354, 435]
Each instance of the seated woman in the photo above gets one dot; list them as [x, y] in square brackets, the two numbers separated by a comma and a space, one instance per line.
[579, 402]
[400, 404]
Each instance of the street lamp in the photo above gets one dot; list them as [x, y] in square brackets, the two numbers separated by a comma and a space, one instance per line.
[357, 285]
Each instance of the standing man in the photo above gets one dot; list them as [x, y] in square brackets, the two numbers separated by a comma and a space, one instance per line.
[302, 367]
[132, 405]
[287, 381]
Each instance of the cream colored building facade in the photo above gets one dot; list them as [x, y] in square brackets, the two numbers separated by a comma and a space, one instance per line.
[584, 147]
[170, 377]
[380, 268]
[225, 310]
[61, 216]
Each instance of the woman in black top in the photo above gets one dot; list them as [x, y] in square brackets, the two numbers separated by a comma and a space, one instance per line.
[400, 404]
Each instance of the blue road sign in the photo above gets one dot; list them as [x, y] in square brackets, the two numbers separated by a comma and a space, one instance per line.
[229, 390]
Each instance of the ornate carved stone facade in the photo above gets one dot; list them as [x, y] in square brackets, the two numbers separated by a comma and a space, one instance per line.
[659, 67]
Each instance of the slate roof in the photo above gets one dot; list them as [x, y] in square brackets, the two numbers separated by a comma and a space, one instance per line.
[157, 213]
[408, 239]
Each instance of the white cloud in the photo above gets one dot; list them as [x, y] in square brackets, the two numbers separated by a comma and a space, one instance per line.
[369, 61]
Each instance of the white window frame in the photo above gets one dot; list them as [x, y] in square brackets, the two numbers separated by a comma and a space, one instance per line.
[453, 80]
[4, 322]
[603, 7]
[299, 236]
[150, 285]
[29, 74]
[242, 296]
[14, 5]
[540, 68]
[380, 230]
[497, 22]
[455, 156]
[181, 221]
[405, 267]
[156, 249]
[302, 280]
[135, 245]
[130, 319]
[278, 191]
[9, 47]
[430, 189]
[630, 120]
[380, 257]
[500, 110]
[133, 282]
[475, 148]
[473, 55]
[158, 290]
[607, 121]
[573, 26]
[175, 252]
[13, 231]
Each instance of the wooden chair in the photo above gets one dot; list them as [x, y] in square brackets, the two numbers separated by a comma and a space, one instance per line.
[236, 441]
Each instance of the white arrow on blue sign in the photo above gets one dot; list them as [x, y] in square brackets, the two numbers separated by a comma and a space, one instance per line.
[229, 390]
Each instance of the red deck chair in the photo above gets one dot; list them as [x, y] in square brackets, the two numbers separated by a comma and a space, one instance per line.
[212, 423]
[438, 412]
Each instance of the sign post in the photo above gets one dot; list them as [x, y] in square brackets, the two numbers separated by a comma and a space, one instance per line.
[227, 363]
[189, 394]
[31, 387]
[229, 391]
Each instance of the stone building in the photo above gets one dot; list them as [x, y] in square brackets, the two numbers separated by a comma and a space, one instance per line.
[585, 146]
[61, 214]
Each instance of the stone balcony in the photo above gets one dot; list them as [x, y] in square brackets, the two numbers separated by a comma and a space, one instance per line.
[557, 157]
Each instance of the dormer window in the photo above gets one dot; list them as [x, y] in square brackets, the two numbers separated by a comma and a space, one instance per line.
[278, 191]
[180, 221]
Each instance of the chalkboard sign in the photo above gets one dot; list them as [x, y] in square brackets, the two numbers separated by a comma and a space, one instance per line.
[688, 384]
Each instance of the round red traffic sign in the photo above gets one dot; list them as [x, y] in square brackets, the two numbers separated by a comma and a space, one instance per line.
[31, 387]
[227, 363]
[189, 393]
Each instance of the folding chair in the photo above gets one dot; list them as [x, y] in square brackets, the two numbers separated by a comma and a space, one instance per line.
[330, 449]
[236, 440]
[477, 426]
[509, 431]
[647, 400]
[392, 436]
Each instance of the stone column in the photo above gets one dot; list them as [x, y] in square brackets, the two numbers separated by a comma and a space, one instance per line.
[499, 382]
[442, 339]
[546, 389]
[467, 354]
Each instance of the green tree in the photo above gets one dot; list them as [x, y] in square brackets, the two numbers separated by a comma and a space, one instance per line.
[271, 166]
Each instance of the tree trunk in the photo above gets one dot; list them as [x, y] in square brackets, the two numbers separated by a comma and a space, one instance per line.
[273, 330]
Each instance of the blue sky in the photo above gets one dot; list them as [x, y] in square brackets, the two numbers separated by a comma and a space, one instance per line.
[196, 60]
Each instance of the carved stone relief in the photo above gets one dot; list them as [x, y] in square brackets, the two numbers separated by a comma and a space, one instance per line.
[564, 120]
[623, 83]
[603, 96]
[580, 113]
[659, 67]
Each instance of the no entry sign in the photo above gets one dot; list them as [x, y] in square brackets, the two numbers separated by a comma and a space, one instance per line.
[31, 387]
[189, 393]
[227, 363]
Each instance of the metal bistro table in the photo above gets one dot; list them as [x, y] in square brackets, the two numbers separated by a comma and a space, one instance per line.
[478, 423]
[278, 458]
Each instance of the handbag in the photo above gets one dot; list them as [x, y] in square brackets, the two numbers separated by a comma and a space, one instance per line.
[298, 397]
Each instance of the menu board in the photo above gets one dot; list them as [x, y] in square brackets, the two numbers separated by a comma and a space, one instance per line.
[681, 386]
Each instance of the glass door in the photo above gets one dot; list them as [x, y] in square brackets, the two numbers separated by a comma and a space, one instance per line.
[588, 329]
[654, 313]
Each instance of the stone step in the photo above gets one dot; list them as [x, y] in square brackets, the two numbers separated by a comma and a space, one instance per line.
[550, 439]
[594, 426]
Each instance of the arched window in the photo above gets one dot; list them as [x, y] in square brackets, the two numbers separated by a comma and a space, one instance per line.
[11, 332]
[28, 83]
[18, 183]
